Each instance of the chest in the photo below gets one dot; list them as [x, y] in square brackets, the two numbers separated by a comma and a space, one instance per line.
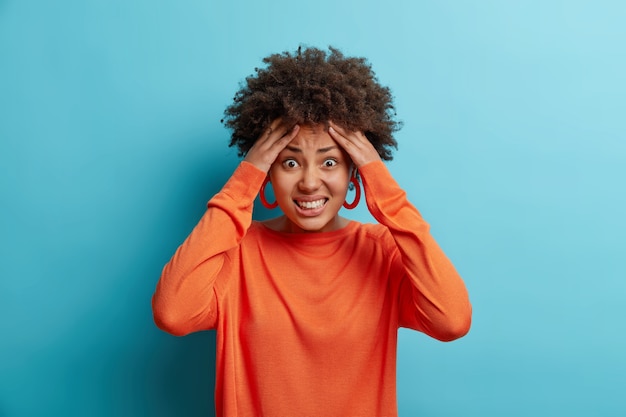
[322, 299]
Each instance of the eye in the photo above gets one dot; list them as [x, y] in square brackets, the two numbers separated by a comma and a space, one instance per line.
[329, 163]
[290, 163]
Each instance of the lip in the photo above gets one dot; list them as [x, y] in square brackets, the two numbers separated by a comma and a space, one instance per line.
[310, 197]
[310, 212]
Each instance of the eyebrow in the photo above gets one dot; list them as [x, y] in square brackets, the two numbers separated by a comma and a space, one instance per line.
[320, 150]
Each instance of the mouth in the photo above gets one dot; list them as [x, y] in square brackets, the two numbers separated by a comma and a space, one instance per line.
[312, 204]
[310, 208]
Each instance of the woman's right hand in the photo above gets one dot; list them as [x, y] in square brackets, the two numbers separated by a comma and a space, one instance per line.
[267, 147]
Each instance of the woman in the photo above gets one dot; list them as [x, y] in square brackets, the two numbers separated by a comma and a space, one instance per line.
[307, 305]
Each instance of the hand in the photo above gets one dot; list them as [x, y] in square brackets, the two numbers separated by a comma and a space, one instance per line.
[355, 143]
[267, 147]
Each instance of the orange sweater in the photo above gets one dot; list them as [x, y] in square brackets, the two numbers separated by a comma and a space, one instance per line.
[307, 323]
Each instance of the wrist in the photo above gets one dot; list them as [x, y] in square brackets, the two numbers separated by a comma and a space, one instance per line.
[260, 165]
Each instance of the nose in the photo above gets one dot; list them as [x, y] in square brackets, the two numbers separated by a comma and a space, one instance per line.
[311, 180]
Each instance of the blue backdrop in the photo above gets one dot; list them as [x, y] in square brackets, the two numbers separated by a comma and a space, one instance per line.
[513, 148]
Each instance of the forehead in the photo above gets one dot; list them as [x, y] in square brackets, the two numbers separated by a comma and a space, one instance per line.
[313, 137]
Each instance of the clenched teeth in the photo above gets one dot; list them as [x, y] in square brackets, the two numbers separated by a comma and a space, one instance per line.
[311, 204]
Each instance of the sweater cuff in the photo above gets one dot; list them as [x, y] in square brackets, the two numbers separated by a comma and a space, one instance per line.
[377, 178]
[386, 200]
[245, 182]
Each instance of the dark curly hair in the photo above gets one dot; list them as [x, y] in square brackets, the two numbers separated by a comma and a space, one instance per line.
[312, 86]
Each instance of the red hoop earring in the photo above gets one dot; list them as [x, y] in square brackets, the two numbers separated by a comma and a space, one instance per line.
[357, 190]
[262, 195]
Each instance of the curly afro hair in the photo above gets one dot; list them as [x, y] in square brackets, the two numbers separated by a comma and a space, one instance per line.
[311, 87]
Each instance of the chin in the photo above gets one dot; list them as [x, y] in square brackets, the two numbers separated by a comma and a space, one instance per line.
[307, 228]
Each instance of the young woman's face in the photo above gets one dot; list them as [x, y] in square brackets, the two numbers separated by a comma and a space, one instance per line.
[310, 179]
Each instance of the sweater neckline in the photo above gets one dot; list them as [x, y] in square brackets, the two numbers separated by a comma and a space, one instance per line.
[308, 237]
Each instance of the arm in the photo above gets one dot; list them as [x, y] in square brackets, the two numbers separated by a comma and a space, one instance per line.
[433, 298]
[184, 300]
[436, 301]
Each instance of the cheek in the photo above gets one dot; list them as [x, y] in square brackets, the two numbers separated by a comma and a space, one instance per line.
[280, 185]
[340, 183]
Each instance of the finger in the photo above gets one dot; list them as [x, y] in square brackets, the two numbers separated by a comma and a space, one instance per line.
[355, 143]
[273, 134]
[355, 136]
[260, 153]
[265, 150]
[285, 137]
[344, 138]
[279, 130]
[267, 133]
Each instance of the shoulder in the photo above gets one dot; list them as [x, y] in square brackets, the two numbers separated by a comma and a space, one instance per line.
[377, 234]
[255, 231]
[375, 230]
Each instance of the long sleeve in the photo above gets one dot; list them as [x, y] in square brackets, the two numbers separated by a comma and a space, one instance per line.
[184, 300]
[434, 298]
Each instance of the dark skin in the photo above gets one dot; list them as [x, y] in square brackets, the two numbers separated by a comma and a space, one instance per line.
[278, 135]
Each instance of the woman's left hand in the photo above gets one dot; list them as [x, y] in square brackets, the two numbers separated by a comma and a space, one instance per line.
[355, 143]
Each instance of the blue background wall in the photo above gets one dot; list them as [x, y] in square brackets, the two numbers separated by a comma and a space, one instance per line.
[513, 149]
